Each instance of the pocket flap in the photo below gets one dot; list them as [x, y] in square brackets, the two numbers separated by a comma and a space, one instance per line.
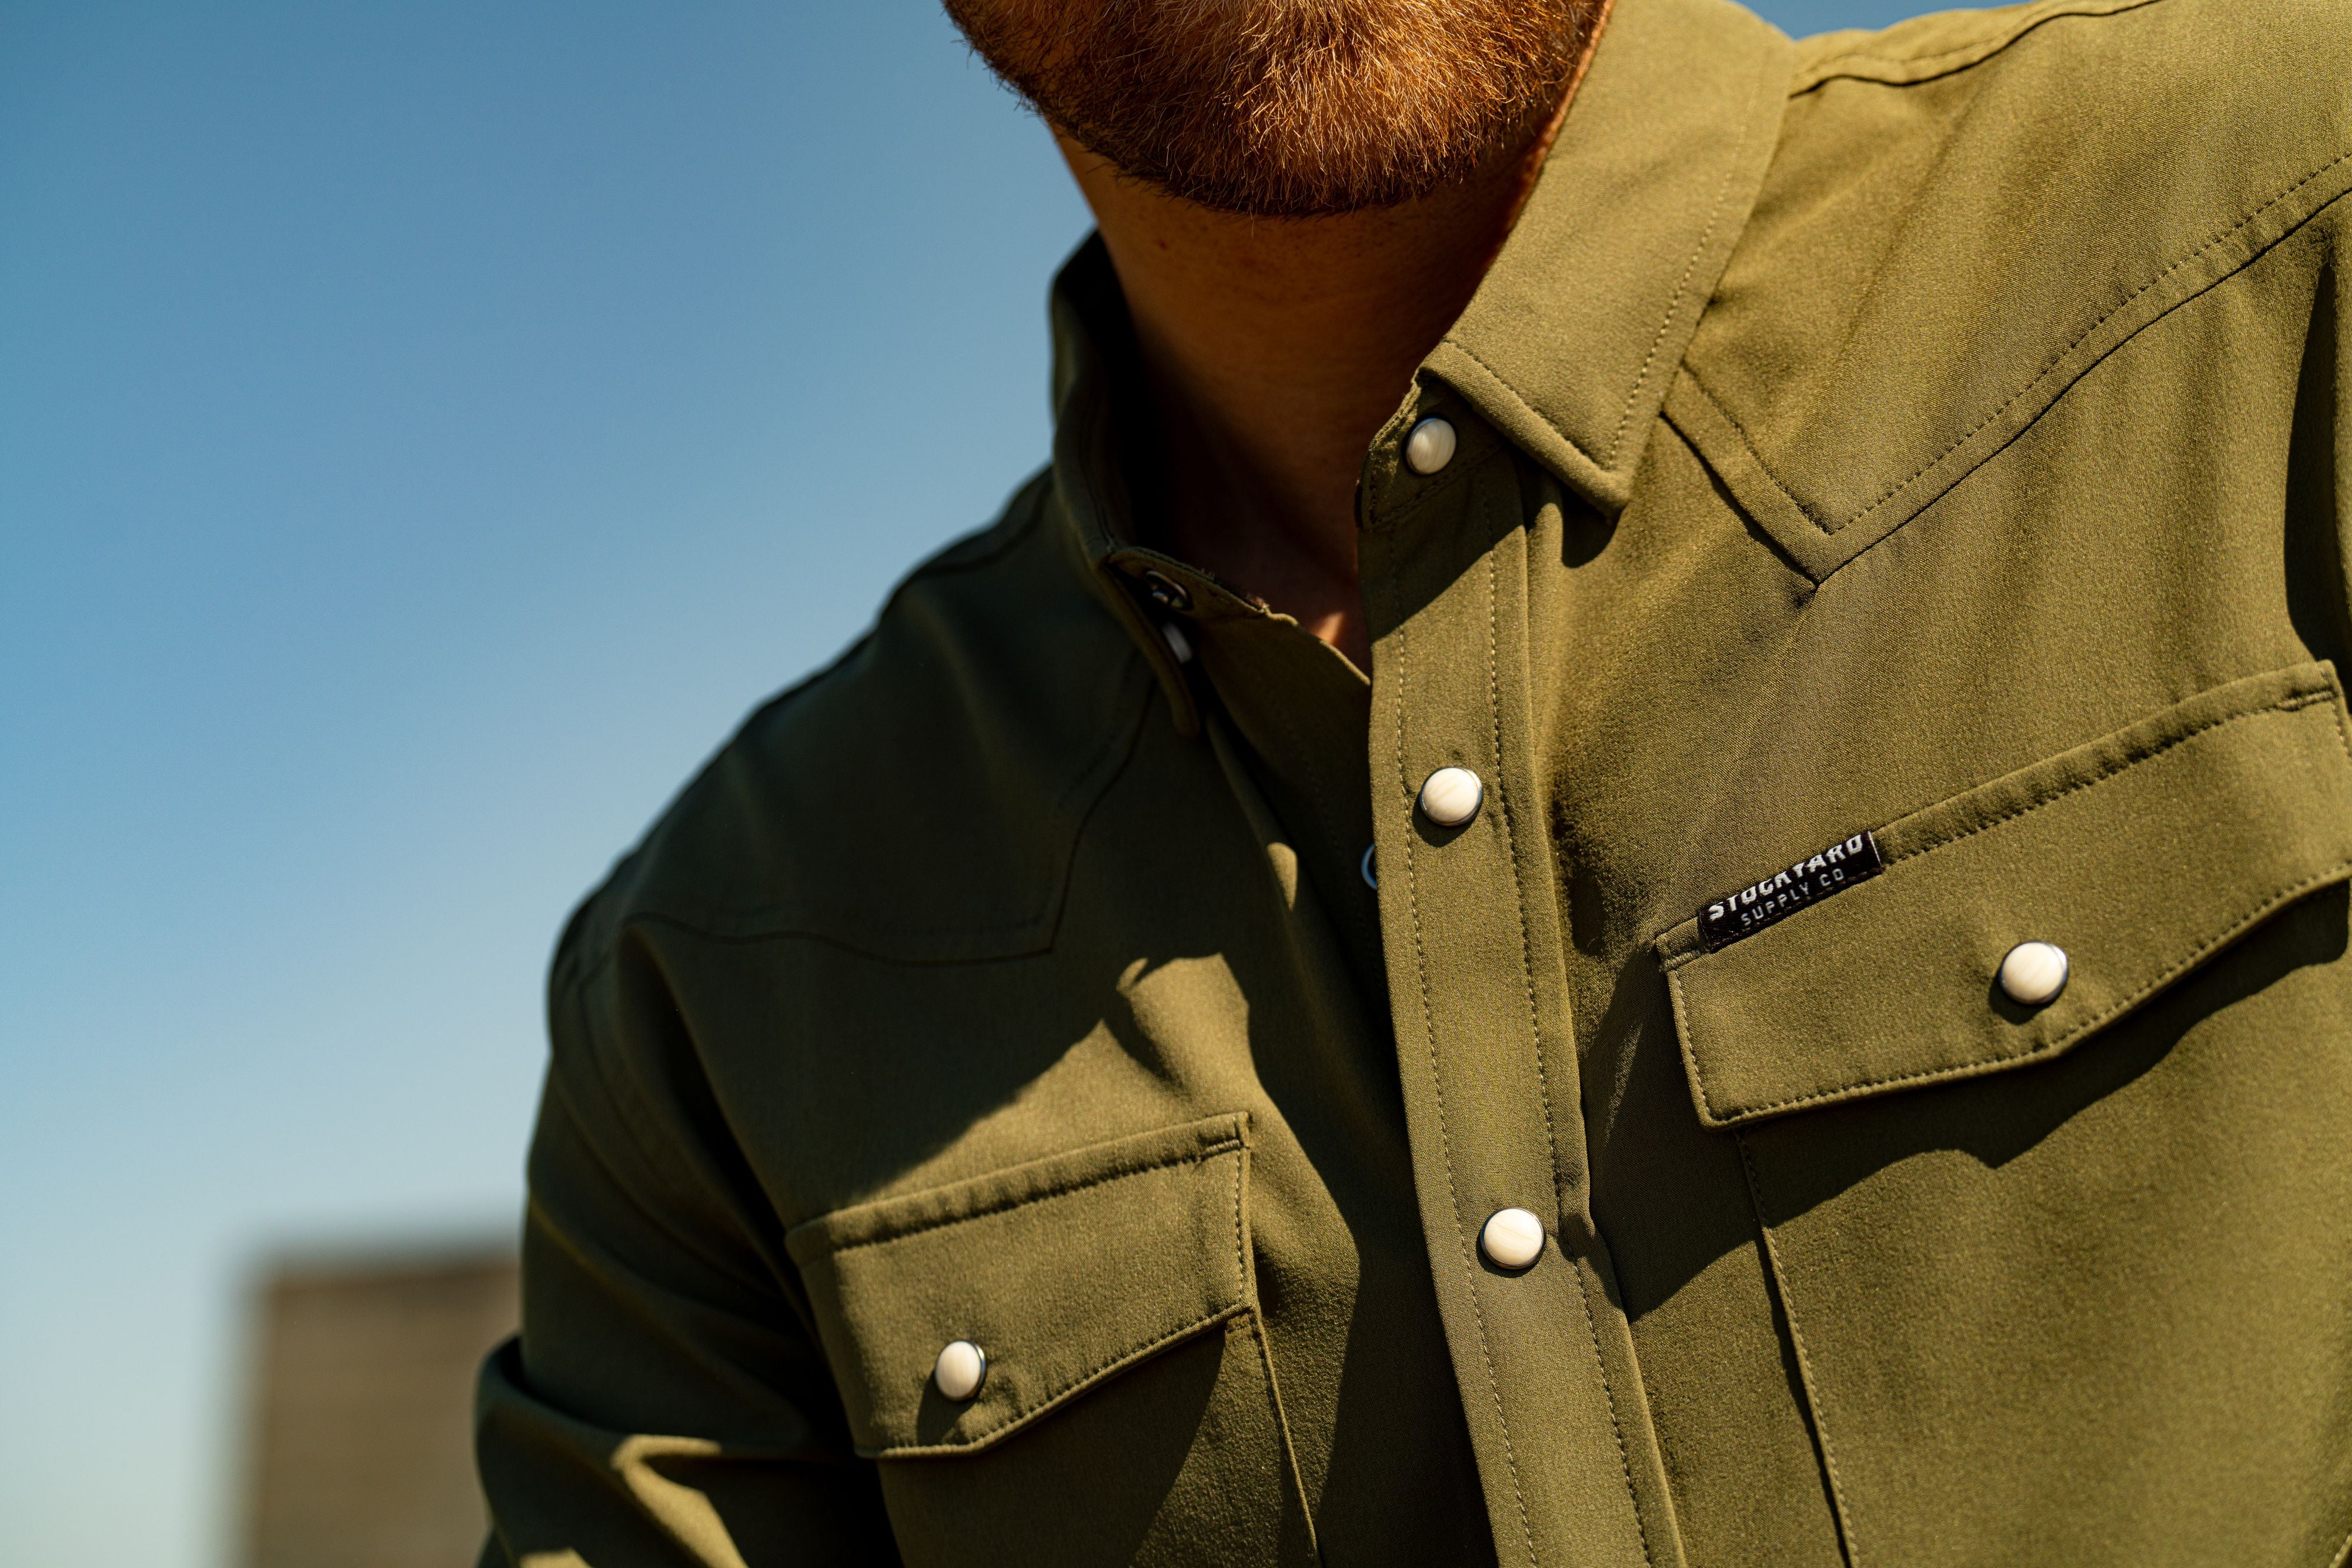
[1062, 1272]
[2139, 854]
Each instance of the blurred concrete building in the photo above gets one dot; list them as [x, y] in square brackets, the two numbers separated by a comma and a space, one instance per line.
[359, 1433]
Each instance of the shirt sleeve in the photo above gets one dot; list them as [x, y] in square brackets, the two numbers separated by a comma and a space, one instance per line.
[666, 1403]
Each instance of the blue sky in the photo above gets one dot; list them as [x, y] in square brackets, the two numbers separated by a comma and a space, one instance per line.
[425, 429]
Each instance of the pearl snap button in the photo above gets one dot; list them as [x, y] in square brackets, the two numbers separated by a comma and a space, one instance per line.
[1166, 590]
[960, 1370]
[1452, 796]
[2034, 973]
[1511, 1239]
[1430, 446]
[1372, 873]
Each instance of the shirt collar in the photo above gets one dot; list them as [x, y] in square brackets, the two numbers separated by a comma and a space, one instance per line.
[1569, 344]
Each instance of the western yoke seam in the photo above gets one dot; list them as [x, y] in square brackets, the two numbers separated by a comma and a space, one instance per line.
[2218, 238]
[1748, 445]
[1037, 948]
[808, 920]
[2214, 241]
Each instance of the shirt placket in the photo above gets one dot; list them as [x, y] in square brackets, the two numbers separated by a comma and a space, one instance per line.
[1485, 1052]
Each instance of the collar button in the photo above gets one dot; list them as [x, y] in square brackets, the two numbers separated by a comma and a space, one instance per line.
[1166, 591]
[1430, 446]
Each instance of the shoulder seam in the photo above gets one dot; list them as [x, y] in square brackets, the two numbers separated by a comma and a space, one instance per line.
[605, 914]
[969, 553]
[1863, 63]
[979, 549]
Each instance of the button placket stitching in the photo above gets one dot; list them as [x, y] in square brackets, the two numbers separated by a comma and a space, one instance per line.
[1437, 1091]
[1508, 824]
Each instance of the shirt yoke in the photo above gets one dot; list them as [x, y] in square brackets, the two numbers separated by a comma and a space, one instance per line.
[1925, 48]
[916, 802]
[1969, 213]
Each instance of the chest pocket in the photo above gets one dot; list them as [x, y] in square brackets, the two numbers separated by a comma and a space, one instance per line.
[1127, 1410]
[2068, 1281]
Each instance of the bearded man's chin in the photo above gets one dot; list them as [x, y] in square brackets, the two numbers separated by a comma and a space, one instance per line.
[1289, 108]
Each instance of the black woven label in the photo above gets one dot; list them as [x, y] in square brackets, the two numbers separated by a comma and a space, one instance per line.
[1783, 894]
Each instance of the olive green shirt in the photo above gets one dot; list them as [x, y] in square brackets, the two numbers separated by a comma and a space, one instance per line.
[1898, 512]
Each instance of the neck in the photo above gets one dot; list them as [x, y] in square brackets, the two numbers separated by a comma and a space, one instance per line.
[1275, 349]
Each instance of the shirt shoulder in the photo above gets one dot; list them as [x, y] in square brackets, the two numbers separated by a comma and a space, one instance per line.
[2131, 110]
[1967, 212]
[1926, 48]
[919, 799]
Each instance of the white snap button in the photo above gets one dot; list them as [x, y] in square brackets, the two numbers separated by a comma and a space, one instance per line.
[960, 1370]
[1511, 1239]
[1430, 446]
[1178, 643]
[1452, 796]
[2034, 973]
[1372, 873]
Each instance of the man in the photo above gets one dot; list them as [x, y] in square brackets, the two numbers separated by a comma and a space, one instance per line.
[1638, 857]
